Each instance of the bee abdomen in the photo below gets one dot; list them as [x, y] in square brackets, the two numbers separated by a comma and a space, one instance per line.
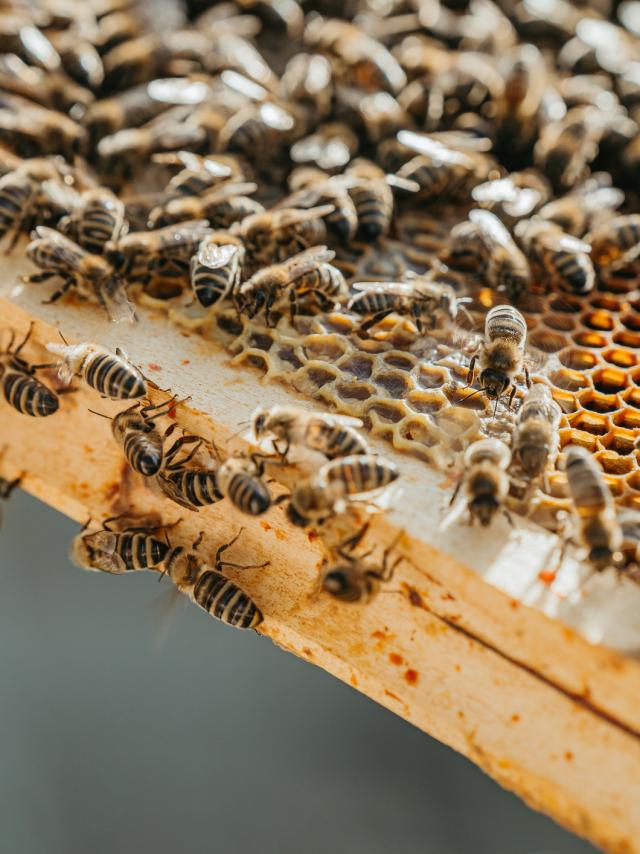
[29, 396]
[113, 378]
[248, 494]
[505, 321]
[13, 200]
[577, 271]
[359, 474]
[221, 598]
[374, 213]
[339, 442]
[209, 285]
[586, 486]
[140, 551]
[143, 454]
[199, 488]
[372, 302]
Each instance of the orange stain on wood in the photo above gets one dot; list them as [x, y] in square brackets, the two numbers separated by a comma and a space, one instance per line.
[515, 719]
[265, 526]
[396, 659]
[411, 676]
[393, 696]
[280, 535]
[154, 366]
[547, 576]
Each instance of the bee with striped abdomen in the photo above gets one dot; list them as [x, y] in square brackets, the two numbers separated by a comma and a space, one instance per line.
[222, 206]
[563, 257]
[359, 474]
[20, 388]
[502, 353]
[331, 435]
[485, 482]
[372, 198]
[565, 148]
[615, 244]
[98, 219]
[356, 579]
[134, 429]
[584, 205]
[536, 439]
[257, 130]
[311, 187]
[216, 268]
[210, 588]
[275, 236]
[199, 173]
[92, 276]
[240, 480]
[419, 297]
[110, 374]
[189, 486]
[117, 552]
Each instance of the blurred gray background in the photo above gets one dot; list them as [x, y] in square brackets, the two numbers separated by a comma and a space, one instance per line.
[113, 740]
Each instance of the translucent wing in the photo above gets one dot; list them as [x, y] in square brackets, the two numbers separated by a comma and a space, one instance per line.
[178, 90]
[400, 288]
[429, 147]
[116, 302]
[194, 162]
[39, 48]
[460, 139]
[603, 197]
[216, 257]
[345, 420]
[275, 117]
[307, 260]
[402, 183]
[181, 235]
[65, 197]
[293, 216]
[66, 251]
[239, 83]
[228, 190]
[517, 201]
[568, 243]
[491, 226]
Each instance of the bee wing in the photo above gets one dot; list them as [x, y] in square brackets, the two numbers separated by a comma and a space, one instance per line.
[184, 233]
[116, 301]
[214, 257]
[169, 490]
[292, 216]
[491, 226]
[345, 420]
[178, 90]
[66, 251]
[62, 195]
[228, 190]
[400, 288]
[560, 241]
[423, 144]
[402, 183]
[502, 190]
[305, 261]
[38, 47]
[603, 197]
[275, 117]
[525, 202]
[239, 83]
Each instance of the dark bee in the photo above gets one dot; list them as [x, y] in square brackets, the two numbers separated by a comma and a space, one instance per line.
[222, 206]
[33, 130]
[118, 551]
[135, 61]
[274, 236]
[110, 374]
[355, 579]
[216, 268]
[536, 439]
[372, 198]
[198, 174]
[584, 205]
[257, 130]
[20, 387]
[128, 109]
[135, 431]
[190, 486]
[329, 148]
[313, 187]
[564, 258]
[615, 244]
[210, 589]
[565, 148]
[98, 219]
[240, 480]
[502, 353]
[485, 481]
[331, 435]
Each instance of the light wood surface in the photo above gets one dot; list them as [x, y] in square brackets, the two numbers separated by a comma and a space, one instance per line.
[451, 645]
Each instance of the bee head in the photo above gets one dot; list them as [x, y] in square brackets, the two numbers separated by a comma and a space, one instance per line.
[601, 558]
[483, 508]
[259, 421]
[339, 583]
[295, 517]
[495, 383]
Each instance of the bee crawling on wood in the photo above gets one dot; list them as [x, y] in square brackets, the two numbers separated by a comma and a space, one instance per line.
[418, 296]
[98, 218]
[110, 374]
[330, 434]
[485, 481]
[216, 268]
[20, 388]
[119, 551]
[536, 439]
[502, 353]
[356, 579]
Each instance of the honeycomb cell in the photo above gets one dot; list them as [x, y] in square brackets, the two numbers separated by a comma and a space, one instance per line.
[402, 361]
[590, 339]
[566, 400]
[599, 320]
[358, 365]
[560, 322]
[395, 383]
[326, 348]
[631, 321]
[619, 440]
[579, 437]
[426, 402]
[589, 422]
[547, 341]
[577, 360]
[420, 431]
[260, 341]
[627, 339]
[354, 391]
[632, 397]
[456, 421]
[609, 380]
[566, 304]
[620, 357]
[606, 303]
[627, 418]
[469, 398]
[387, 412]
[531, 304]
[613, 463]
[319, 376]
[430, 376]
[288, 355]
[633, 481]
[596, 402]
[569, 380]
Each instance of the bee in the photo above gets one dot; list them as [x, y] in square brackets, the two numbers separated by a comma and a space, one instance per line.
[135, 61]
[110, 374]
[308, 79]
[313, 502]
[210, 588]
[421, 299]
[189, 486]
[514, 197]
[92, 275]
[485, 481]
[313, 187]
[262, 290]
[53, 89]
[372, 198]
[564, 258]
[502, 353]
[222, 206]
[98, 219]
[440, 170]
[524, 81]
[354, 579]
[20, 387]
[486, 240]
[536, 440]
[134, 429]
[198, 174]
[274, 236]
[80, 59]
[34, 130]
[117, 552]
[128, 109]
[240, 480]
[331, 435]
[138, 252]
[256, 130]
[119, 154]
[615, 243]
[594, 510]
[576, 211]
[216, 268]
[565, 148]
[359, 474]
[330, 147]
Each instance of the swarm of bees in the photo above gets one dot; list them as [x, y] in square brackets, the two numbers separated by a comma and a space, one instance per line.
[190, 163]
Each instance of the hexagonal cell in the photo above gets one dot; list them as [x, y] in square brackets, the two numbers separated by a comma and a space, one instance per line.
[547, 341]
[427, 402]
[288, 355]
[590, 339]
[387, 412]
[338, 322]
[612, 463]
[402, 361]
[627, 339]
[632, 397]
[596, 402]
[326, 348]
[627, 418]
[599, 320]
[578, 437]
[609, 380]
[558, 485]
[589, 422]
[620, 357]
[318, 376]
[621, 441]
[430, 376]
[631, 321]
[633, 481]
[531, 304]
[569, 380]
[578, 360]
[394, 383]
[617, 283]
[566, 400]
[260, 341]
[566, 304]
[605, 302]
[560, 322]
[354, 391]
[456, 421]
[359, 365]
[420, 431]
[466, 397]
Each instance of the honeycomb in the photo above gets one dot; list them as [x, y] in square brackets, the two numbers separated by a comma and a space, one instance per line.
[408, 389]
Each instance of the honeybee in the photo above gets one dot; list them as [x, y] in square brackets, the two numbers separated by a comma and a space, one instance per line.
[240, 480]
[135, 61]
[366, 60]
[275, 236]
[564, 258]
[308, 79]
[117, 552]
[110, 374]
[565, 148]
[257, 130]
[313, 187]
[594, 511]
[134, 429]
[210, 588]
[262, 290]
[421, 299]
[372, 196]
[329, 148]
[536, 440]
[440, 170]
[490, 246]
[485, 480]
[511, 198]
[615, 244]
[354, 579]
[20, 387]
[331, 435]
[221, 206]
[502, 353]
[313, 502]
[53, 89]
[34, 130]
[80, 59]
[216, 268]
[524, 81]
[576, 211]
[198, 174]
[128, 109]
[119, 154]
[189, 486]
[359, 474]
[98, 219]
[91, 275]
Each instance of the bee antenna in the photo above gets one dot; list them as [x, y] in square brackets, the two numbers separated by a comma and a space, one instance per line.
[101, 414]
[495, 408]
[63, 338]
[473, 394]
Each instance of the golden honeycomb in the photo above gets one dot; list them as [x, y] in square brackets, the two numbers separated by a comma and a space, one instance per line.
[409, 388]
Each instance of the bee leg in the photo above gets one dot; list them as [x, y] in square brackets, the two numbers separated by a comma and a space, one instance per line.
[347, 546]
[196, 441]
[527, 378]
[375, 319]
[59, 293]
[267, 308]
[508, 516]
[282, 498]
[36, 278]
[293, 304]
[472, 370]
[8, 488]
[16, 352]
[219, 563]
[511, 396]
[455, 493]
